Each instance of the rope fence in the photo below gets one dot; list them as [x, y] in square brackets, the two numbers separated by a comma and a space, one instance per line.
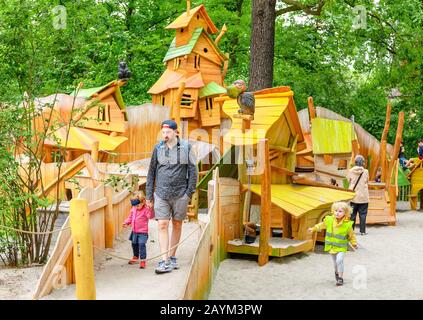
[152, 258]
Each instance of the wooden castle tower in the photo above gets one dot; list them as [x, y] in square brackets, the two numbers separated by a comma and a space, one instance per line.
[195, 70]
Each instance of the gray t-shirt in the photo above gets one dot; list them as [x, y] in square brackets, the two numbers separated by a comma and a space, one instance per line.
[172, 172]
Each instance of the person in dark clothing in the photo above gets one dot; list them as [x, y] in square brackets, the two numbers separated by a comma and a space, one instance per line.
[171, 181]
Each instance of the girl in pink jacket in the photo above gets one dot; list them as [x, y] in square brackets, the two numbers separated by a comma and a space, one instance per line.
[138, 219]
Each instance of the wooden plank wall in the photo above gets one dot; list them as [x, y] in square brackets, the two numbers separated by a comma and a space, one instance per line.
[144, 125]
[221, 225]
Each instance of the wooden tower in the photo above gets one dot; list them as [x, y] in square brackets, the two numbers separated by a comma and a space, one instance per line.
[195, 70]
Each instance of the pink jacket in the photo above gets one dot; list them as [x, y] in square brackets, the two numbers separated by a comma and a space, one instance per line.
[138, 219]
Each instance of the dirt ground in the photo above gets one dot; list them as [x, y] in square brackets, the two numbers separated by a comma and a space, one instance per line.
[387, 265]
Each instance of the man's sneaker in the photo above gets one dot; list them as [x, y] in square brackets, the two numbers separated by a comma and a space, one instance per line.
[133, 260]
[339, 282]
[174, 263]
[142, 265]
[163, 267]
[336, 276]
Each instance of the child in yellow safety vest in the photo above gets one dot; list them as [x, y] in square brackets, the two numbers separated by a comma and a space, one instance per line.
[339, 232]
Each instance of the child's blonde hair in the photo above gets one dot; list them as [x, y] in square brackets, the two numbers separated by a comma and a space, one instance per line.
[342, 205]
[140, 195]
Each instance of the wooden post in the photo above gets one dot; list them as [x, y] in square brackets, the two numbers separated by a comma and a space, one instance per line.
[265, 208]
[396, 148]
[83, 249]
[246, 125]
[109, 219]
[176, 106]
[222, 32]
[383, 142]
[413, 202]
[94, 150]
[393, 203]
[311, 109]
[383, 160]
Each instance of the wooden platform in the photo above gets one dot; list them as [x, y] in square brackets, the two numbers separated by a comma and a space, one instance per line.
[278, 247]
[379, 210]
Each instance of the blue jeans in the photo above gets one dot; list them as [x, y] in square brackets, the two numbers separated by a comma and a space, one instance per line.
[138, 244]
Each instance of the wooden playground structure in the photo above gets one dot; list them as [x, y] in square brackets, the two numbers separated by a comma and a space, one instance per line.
[286, 177]
[328, 160]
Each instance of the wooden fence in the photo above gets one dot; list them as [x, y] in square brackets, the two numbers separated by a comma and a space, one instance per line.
[105, 204]
[223, 208]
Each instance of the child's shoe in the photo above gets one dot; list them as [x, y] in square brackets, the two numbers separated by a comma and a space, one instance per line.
[133, 260]
[339, 282]
[142, 264]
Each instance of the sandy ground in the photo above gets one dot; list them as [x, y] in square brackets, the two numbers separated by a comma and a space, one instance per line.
[387, 265]
[115, 279]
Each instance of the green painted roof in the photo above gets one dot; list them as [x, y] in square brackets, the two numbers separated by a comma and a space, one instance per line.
[211, 89]
[331, 136]
[174, 52]
[88, 93]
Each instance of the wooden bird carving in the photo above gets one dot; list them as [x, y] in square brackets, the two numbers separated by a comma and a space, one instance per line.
[246, 100]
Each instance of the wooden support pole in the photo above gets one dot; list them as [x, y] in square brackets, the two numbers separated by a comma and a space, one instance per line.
[109, 219]
[398, 139]
[393, 203]
[265, 208]
[311, 108]
[222, 32]
[383, 143]
[94, 150]
[83, 249]
[176, 106]
[383, 164]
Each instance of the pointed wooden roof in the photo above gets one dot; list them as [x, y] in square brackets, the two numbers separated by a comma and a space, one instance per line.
[188, 48]
[171, 80]
[168, 77]
[184, 19]
[193, 81]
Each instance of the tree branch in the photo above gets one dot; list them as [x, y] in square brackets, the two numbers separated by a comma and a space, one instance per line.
[294, 5]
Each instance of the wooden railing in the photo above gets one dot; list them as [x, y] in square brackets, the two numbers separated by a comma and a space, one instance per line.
[107, 208]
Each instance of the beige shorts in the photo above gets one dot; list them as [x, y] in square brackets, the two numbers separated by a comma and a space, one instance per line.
[171, 209]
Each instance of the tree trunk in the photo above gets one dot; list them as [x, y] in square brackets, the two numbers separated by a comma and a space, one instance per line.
[262, 44]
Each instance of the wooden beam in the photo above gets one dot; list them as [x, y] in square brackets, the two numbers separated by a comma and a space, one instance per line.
[311, 108]
[109, 219]
[281, 149]
[398, 139]
[221, 34]
[330, 173]
[283, 171]
[383, 143]
[176, 105]
[94, 151]
[265, 208]
[307, 182]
